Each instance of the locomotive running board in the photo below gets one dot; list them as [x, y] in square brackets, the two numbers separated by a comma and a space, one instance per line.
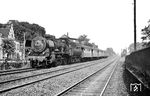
[139, 76]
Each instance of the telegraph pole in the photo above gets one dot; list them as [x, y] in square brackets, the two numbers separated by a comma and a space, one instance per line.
[134, 25]
[24, 48]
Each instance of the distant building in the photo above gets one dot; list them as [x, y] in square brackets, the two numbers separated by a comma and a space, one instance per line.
[8, 33]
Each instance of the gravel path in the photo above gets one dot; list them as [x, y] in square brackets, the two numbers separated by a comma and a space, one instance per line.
[54, 85]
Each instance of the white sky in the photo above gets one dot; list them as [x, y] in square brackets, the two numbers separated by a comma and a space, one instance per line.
[108, 23]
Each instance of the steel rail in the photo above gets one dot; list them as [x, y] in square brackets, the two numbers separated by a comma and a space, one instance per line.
[108, 80]
[17, 71]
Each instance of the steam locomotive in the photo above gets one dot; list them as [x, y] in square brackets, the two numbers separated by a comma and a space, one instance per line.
[42, 52]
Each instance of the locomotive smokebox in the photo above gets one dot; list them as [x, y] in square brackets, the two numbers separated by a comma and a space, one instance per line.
[38, 44]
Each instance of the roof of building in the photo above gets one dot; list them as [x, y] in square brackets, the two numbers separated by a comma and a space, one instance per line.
[4, 32]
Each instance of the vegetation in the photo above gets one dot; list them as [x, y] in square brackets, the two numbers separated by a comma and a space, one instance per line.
[82, 39]
[110, 51]
[34, 27]
[138, 46]
[48, 36]
[30, 30]
[8, 46]
[146, 35]
[124, 52]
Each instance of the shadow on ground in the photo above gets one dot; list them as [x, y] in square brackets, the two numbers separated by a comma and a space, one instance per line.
[128, 79]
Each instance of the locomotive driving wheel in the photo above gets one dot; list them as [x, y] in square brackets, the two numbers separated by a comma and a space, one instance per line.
[65, 61]
[33, 64]
[48, 64]
[58, 62]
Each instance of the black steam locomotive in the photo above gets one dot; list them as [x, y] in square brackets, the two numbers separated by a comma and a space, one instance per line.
[42, 52]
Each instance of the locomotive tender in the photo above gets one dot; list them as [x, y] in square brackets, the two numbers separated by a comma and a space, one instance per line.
[44, 52]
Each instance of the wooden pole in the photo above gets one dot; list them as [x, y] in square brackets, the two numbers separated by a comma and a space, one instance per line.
[134, 25]
[24, 49]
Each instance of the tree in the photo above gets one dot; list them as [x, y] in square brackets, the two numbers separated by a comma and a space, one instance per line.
[94, 45]
[48, 36]
[2, 25]
[146, 34]
[8, 46]
[34, 27]
[83, 39]
[138, 46]
[110, 51]
[30, 30]
[124, 52]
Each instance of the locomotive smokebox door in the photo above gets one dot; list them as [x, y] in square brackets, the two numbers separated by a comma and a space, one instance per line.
[38, 44]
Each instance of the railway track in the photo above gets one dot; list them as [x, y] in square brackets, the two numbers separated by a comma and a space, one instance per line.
[16, 71]
[16, 83]
[106, 84]
[82, 85]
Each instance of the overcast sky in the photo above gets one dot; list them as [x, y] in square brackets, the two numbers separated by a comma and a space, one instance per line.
[108, 23]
